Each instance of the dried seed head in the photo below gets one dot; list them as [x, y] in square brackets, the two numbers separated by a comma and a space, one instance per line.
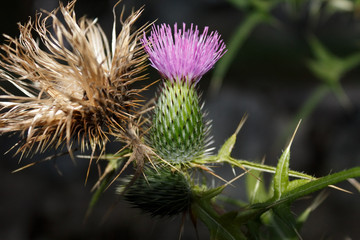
[76, 90]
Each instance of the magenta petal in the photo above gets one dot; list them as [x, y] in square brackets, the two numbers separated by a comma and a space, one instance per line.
[183, 55]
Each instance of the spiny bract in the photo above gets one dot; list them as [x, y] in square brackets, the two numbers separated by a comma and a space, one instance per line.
[178, 133]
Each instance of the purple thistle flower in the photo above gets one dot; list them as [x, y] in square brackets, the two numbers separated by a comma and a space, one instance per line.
[184, 55]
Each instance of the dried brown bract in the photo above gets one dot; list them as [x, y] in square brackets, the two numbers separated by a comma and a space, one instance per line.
[78, 90]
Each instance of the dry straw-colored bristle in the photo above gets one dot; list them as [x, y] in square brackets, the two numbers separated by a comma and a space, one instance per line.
[75, 85]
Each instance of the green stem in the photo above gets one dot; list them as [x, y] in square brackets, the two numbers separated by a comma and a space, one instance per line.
[251, 165]
[298, 192]
[271, 169]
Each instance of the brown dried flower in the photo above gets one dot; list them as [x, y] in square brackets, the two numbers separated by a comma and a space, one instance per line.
[76, 91]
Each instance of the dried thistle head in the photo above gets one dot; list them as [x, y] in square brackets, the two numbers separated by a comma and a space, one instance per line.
[75, 91]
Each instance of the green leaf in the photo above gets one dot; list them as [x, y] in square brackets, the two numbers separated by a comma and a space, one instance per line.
[296, 183]
[252, 212]
[304, 215]
[98, 193]
[319, 184]
[255, 187]
[288, 197]
[220, 227]
[114, 162]
[227, 147]
[283, 223]
[281, 177]
[208, 194]
[232, 201]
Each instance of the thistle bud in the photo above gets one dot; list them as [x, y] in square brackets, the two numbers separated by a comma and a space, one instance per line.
[161, 193]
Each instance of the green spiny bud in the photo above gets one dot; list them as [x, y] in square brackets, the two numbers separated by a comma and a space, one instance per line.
[160, 192]
[179, 133]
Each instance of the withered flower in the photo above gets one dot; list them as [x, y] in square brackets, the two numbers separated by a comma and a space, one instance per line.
[76, 87]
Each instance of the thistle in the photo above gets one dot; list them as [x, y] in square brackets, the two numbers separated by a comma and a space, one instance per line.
[78, 90]
[179, 132]
[161, 193]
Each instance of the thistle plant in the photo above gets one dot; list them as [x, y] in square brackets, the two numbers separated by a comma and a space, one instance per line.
[79, 91]
[178, 135]
[179, 132]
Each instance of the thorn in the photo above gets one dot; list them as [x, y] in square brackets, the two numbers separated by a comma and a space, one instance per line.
[233, 170]
[121, 171]
[241, 123]
[293, 136]
[107, 171]
[340, 189]
[40, 161]
[208, 170]
[355, 183]
[235, 178]
[263, 159]
[88, 169]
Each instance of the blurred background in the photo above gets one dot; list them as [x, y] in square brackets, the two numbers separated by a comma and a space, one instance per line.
[287, 60]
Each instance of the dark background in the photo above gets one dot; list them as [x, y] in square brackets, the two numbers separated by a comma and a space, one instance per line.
[268, 80]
